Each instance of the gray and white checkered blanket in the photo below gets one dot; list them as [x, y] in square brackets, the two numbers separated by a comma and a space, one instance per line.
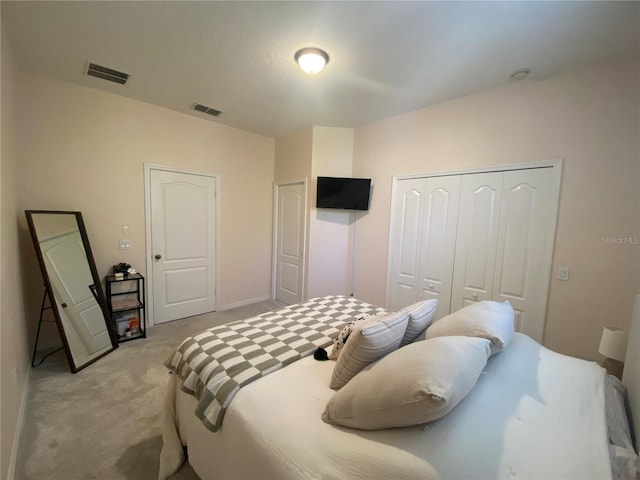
[214, 364]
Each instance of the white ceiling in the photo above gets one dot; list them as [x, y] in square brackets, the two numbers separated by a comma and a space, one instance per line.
[386, 58]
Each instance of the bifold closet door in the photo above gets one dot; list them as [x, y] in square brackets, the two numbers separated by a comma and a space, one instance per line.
[437, 246]
[525, 221]
[471, 237]
[477, 239]
[406, 230]
[424, 232]
[501, 248]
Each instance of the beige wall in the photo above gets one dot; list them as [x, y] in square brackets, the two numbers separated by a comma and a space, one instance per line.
[84, 149]
[293, 162]
[329, 242]
[309, 153]
[293, 155]
[14, 350]
[589, 117]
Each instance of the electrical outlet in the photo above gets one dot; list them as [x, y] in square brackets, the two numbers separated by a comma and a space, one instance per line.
[125, 244]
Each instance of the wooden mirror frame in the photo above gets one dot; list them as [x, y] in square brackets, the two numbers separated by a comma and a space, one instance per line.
[97, 288]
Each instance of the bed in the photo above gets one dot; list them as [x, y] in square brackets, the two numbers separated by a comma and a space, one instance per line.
[533, 413]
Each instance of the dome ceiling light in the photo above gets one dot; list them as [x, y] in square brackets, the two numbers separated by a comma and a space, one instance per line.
[311, 60]
[520, 74]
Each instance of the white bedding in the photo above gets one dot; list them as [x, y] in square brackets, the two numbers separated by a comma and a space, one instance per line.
[533, 414]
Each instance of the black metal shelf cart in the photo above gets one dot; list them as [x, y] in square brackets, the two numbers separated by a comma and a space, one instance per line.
[126, 306]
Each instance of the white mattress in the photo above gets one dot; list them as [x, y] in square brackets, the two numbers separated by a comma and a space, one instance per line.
[533, 414]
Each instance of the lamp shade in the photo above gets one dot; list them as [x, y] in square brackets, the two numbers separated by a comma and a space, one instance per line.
[614, 343]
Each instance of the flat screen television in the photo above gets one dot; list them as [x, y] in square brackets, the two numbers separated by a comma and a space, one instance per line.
[344, 193]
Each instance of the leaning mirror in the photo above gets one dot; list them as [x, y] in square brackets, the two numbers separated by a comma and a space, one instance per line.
[72, 285]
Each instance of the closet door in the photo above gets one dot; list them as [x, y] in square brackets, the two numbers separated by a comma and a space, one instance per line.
[525, 220]
[437, 245]
[406, 232]
[477, 239]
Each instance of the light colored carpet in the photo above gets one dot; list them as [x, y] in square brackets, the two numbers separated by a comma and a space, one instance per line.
[103, 423]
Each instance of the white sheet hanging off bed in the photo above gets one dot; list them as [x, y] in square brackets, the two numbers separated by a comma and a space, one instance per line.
[533, 414]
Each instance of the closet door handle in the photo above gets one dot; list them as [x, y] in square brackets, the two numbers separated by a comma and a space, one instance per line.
[157, 256]
[475, 296]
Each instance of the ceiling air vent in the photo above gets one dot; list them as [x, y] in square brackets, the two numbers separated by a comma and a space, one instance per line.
[208, 110]
[105, 73]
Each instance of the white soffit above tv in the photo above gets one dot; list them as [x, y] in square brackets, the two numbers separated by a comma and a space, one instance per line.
[387, 58]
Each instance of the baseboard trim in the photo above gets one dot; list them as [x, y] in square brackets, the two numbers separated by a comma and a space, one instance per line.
[242, 303]
[11, 471]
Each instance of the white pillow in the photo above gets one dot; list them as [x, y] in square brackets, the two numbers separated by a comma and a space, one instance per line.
[370, 340]
[420, 317]
[487, 319]
[415, 384]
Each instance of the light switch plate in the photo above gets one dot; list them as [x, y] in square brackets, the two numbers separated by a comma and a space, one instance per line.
[563, 273]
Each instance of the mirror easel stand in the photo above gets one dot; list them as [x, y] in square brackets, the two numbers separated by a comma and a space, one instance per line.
[72, 286]
[43, 308]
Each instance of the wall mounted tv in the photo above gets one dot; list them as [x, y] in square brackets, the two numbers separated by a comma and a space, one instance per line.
[345, 193]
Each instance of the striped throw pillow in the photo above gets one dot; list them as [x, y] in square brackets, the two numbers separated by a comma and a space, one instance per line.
[420, 317]
[370, 340]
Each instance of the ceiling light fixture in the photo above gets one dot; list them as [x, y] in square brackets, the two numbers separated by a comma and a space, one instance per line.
[520, 74]
[311, 60]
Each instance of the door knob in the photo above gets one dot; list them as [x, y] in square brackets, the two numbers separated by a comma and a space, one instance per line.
[475, 295]
[157, 256]
[431, 286]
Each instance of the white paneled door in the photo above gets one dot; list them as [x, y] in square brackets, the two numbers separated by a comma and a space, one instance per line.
[290, 228]
[424, 225]
[406, 229]
[525, 218]
[477, 239]
[439, 229]
[183, 244]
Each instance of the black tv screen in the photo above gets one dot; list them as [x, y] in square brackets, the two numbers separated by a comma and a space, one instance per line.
[345, 193]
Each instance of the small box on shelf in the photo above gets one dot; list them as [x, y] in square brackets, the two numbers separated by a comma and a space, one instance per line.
[134, 325]
[122, 323]
[127, 324]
